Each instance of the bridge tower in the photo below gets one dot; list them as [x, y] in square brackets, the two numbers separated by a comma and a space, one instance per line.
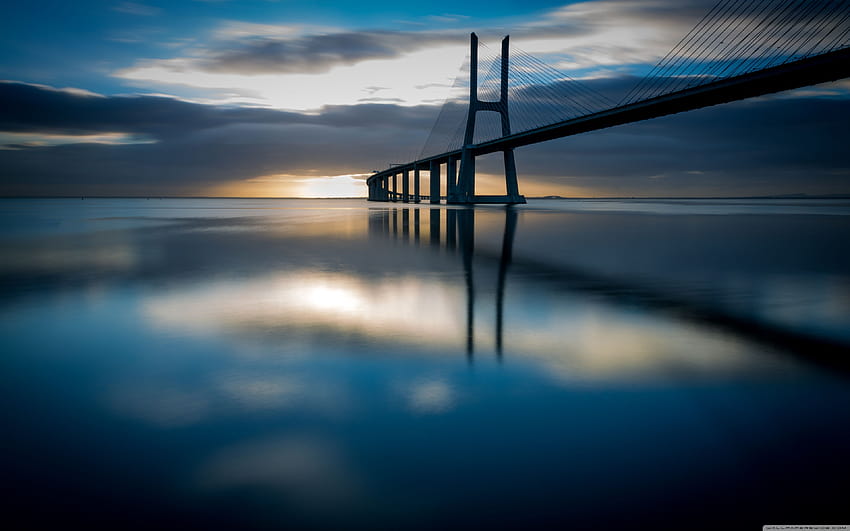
[464, 192]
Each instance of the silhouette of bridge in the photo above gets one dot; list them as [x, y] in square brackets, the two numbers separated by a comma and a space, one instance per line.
[740, 49]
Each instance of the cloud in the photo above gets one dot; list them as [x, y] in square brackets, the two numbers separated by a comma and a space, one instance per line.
[303, 67]
[32, 108]
[357, 102]
[580, 30]
[430, 396]
[24, 140]
[423, 76]
[767, 145]
[317, 53]
[197, 146]
[447, 17]
[136, 8]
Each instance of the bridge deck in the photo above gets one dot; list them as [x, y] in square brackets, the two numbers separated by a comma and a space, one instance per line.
[801, 73]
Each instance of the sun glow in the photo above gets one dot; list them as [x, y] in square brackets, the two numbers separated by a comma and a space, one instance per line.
[287, 185]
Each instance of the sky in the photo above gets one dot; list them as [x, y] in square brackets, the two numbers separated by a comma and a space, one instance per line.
[305, 99]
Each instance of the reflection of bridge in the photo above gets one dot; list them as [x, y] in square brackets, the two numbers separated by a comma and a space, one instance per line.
[459, 236]
[453, 230]
[739, 50]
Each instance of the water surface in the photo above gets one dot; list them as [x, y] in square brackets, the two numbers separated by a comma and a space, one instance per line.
[344, 364]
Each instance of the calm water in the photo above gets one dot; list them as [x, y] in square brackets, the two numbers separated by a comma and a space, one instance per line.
[343, 364]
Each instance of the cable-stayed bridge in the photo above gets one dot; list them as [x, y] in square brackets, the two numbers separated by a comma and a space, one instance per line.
[739, 49]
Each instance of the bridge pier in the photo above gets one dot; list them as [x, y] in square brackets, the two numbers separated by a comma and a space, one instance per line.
[395, 188]
[416, 198]
[435, 182]
[465, 192]
[511, 186]
[451, 179]
[405, 186]
[465, 189]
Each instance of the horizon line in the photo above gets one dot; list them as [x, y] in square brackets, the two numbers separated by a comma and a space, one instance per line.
[844, 195]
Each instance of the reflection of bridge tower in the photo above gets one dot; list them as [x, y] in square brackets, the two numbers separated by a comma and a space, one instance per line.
[459, 238]
[464, 191]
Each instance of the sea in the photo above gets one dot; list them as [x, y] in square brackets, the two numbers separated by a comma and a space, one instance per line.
[344, 364]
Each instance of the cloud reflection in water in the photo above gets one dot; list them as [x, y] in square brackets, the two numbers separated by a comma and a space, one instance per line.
[306, 304]
[573, 336]
[264, 365]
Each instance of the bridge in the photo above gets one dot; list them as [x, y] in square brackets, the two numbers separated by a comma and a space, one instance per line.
[740, 49]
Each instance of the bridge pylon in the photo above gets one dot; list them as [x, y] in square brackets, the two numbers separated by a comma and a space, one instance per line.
[464, 192]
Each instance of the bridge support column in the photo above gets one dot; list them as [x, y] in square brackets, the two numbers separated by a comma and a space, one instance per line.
[395, 188]
[511, 186]
[416, 198]
[451, 180]
[435, 182]
[466, 178]
[405, 186]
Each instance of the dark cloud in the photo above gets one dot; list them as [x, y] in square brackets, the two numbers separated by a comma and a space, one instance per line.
[319, 53]
[26, 108]
[781, 144]
[188, 166]
[198, 145]
[32, 108]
